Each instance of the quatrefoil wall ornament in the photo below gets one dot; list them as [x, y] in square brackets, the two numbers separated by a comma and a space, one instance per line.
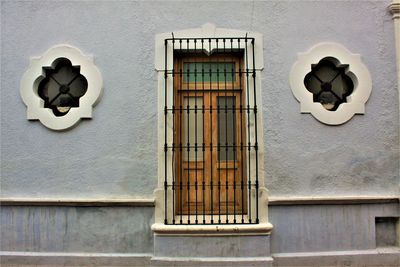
[61, 87]
[330, 83]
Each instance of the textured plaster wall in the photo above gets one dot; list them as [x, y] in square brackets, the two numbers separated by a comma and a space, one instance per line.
[114, 154]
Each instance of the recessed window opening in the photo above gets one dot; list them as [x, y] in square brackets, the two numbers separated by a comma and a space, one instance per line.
[214, 143]
[329, 83]
[62, 86]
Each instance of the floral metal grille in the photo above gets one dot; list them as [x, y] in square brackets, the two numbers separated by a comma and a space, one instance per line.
[62, 87]
[329, 84]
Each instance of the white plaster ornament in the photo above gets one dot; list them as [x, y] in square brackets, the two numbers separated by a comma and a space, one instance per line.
[355, 69]
[36, 73]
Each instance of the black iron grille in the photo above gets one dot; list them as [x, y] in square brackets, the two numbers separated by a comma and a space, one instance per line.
[329, 84]
[62, 87]
[210, 122]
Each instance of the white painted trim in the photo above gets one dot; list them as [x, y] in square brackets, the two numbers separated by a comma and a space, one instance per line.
[356, 70]
[332, 200]
[214, 229]
[395, 10]
[206, 31]
[32, 77]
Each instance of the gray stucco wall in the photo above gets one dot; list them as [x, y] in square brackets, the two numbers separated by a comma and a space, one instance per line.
[114, 154]
[306, 228]
[77, 229]
[311, 228]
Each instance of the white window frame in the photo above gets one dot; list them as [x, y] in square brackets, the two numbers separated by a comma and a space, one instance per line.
[358, 72]
[206, 31]
[32, 77]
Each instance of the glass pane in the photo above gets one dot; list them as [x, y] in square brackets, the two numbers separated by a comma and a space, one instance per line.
[226, 128]
[193, 128]
[213, 71]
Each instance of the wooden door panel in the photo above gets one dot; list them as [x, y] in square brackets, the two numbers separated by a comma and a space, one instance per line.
[222, 165]
[228, 168]
[194, 194]
[230, 197]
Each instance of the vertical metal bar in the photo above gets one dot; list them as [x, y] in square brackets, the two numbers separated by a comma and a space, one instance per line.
[219, 146]
[188, 141]
[241, 136]
[204, 146]
[211, 142]
[234, 126]
[174, 139]
[181, 135]
[226, 136]
[248, 127]
[165, 137]
[255, 126]
[195, 126]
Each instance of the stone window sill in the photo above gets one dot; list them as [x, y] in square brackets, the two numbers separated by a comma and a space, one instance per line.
[216, 229]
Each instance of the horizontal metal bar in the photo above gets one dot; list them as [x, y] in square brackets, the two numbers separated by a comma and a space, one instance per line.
[213, 89]
[207, 73]
[199, 146]
[212, 38]
[200, 108]
[184, 185]
[222, 222]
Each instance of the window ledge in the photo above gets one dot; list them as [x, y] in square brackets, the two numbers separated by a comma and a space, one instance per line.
[217, 229]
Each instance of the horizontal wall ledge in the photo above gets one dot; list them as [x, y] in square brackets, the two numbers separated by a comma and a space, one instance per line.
[215, 229]
[344, 200]
[139, 202]
[150, 202]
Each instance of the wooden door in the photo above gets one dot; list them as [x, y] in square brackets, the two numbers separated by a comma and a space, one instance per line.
[208, 133]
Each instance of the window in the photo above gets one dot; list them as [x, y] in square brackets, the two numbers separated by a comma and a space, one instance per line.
[210, 150]
[209, 138]
[330, 83]
[61, 87]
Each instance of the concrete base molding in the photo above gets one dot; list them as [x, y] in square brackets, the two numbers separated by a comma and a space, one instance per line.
[11, 258]
[374, 257]
[248, 261]
[229, 250]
